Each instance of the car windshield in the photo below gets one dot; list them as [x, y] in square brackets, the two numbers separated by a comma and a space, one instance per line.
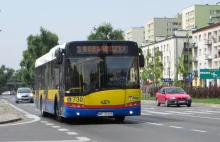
[175, 91]
[24, 90]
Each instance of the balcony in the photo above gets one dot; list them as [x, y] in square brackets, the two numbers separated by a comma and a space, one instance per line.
[195, 59]
[208, 42]
[195, 46]
[186, 61]
[208, 57]
[185, 49]
[159, 52]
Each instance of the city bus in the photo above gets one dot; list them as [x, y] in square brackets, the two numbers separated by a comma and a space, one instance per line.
[89, 79]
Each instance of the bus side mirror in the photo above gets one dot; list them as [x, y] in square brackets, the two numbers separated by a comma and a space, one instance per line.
[58, 55]
[141, 61]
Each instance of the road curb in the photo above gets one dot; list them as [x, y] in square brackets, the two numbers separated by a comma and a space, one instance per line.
[10, 121]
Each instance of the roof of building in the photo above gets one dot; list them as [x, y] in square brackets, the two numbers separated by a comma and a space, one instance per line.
[207, 28]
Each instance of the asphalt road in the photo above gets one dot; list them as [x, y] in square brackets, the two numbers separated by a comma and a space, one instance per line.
[169, 124]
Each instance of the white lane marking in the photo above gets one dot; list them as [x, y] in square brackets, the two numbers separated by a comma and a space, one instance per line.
[63, 130]
[178, 112]
[156, 124]
[83, 138]
[198, 112]
[198, 130]
[72, 133]
[55, 126]
[49, 124]
[212, 111]
[176, 127]
[35, 118]
[43, 121]
[212, 118]
[162, 113]
[53, 141]
[144, 113]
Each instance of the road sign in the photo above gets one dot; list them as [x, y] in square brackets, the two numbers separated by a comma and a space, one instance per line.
[166, 79]
[209, 73]
[190, 77]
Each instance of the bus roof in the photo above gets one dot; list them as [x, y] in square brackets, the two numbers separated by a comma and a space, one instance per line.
[48, 56]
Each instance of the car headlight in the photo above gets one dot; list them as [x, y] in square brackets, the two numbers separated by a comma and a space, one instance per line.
[31, 95]
[188, 97]
[172, 98]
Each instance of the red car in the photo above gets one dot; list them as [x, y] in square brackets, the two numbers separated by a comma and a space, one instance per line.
[173, 96]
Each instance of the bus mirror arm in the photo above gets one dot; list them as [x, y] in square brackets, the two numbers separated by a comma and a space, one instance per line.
[141, 61]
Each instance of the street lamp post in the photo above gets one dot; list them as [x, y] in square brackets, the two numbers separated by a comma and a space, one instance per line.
[188, 71]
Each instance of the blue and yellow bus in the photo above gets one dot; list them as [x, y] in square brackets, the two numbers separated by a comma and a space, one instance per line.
[89, 79]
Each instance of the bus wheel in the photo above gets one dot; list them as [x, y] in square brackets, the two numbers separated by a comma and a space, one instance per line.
[43, 113]
[120, 119]
[57, 115]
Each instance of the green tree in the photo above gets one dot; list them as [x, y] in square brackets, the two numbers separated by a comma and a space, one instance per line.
[183, 69]
[158, 66]
[38, 45]
[147, 70]
[106, 32]
[5, 76]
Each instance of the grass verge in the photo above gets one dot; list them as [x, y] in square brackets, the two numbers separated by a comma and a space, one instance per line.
[195, 100]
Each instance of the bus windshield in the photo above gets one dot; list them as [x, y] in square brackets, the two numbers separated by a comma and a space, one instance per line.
[87, 74]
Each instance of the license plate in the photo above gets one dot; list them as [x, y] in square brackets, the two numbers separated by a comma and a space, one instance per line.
[105, 114]
[182, 101]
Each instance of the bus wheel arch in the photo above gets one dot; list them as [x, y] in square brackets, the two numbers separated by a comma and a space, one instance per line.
[43, 113]
[56, 111]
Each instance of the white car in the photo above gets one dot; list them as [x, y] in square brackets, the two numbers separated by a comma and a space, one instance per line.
[24, 95]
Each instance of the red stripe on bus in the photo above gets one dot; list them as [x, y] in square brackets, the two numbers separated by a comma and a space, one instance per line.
[112, 106]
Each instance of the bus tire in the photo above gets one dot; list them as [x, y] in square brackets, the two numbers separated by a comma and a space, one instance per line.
[120, 119]
[43, 113]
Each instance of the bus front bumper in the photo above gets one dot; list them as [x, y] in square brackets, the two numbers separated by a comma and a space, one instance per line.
[73, 112]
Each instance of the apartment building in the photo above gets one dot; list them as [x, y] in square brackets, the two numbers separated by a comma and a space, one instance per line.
[135, 34]
[198, 16]
[171, 49]
[162, 27]
[207, 56]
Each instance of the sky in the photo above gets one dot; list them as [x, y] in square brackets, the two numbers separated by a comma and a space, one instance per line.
[74, 19]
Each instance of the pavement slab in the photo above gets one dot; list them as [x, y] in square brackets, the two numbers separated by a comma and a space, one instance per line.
[8, 114]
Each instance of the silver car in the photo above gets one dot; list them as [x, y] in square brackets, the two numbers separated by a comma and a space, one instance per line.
[24, 95]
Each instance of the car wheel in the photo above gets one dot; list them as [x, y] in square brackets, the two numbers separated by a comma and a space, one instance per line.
[166, 103]
[189, 105]
[158, 104]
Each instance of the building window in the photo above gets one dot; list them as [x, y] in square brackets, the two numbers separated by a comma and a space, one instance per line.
[200, 52]
[217, 11]
[169, 24]
[212, 11]
[175, 24]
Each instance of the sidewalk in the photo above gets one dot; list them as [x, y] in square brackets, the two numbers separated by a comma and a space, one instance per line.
[193, 104]
[8, 114]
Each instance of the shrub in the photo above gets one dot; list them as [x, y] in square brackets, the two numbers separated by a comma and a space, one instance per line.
[204, 92]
